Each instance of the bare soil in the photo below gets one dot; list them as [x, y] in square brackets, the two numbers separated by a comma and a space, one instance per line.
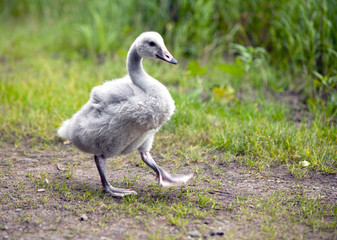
[23, 216]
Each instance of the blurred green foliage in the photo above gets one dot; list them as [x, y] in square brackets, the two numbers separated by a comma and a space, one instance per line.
[299, 36]
[299, 33]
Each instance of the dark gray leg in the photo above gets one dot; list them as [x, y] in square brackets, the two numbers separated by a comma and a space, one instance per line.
[164, 178]
[115, 192]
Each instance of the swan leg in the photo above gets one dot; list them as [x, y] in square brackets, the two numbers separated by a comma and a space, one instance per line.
[115, 192]
[164, 178]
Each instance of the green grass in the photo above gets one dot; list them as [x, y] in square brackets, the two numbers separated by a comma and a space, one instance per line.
[39, 93]
[281, 208]
[41, 89]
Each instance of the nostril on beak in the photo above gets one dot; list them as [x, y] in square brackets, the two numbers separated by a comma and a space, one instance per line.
[167, 56]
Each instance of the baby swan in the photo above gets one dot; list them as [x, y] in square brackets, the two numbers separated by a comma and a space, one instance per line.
[123, 115]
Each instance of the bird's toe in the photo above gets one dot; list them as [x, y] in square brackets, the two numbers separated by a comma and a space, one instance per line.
[119, 192]
[167, 180]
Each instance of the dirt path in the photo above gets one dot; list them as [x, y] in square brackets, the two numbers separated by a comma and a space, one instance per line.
[43, 197]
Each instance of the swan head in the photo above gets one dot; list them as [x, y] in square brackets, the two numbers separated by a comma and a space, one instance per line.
[151, 45]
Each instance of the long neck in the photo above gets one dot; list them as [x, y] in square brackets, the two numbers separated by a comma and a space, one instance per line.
[135, 69]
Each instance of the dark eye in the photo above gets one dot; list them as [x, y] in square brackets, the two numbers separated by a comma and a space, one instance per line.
[152, 44]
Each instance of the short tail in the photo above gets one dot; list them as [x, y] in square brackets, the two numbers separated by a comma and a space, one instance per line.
[64, 130]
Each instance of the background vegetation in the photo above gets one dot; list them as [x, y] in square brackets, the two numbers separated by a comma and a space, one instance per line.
[299, 36]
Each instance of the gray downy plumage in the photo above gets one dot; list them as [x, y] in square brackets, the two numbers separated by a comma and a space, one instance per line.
[123, 115]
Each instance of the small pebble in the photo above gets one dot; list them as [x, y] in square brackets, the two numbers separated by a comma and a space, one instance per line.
[59, 167]
[304, 163]
[194, 234]
[84, 217]
[40, 190]
[3, 228]
[219, 223]
[207, 221]
[220, 233]
[211, 233]
[18, 210]
[105, 238]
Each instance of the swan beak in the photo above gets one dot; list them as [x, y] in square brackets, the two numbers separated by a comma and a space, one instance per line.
[167, 57]
[173, 61]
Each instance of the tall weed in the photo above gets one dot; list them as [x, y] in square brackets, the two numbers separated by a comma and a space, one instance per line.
[299, 36]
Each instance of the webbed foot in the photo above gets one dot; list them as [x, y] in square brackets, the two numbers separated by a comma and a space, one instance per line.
[118, 192]
[164, 178]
